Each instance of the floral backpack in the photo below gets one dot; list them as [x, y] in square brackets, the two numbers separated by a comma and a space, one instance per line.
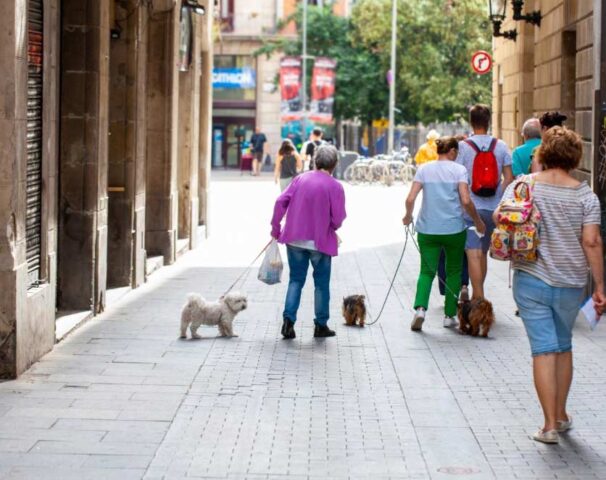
[516, 236]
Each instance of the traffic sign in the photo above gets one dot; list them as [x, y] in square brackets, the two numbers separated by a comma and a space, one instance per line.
[481, 62]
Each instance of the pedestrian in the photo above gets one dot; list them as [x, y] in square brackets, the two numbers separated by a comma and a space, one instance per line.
[428, 152]
[314, 205]
[257, 142]
[547, 121]
[549, 291]
[522, 155]
[315, 141]
[288, 164]
[441, 226]
[464, 295]
[491, 176]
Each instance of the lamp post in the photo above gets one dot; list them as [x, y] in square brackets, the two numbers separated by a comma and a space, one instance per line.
[496, 11]
[392, 84]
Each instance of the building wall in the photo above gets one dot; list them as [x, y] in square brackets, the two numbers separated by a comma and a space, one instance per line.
[253, 23]
[548, 68]
[101, 177]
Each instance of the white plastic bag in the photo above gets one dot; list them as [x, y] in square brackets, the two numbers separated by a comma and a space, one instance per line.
[272, 266]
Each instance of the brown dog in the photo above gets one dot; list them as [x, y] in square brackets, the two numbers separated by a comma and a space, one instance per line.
[476, 316]
[354, 310]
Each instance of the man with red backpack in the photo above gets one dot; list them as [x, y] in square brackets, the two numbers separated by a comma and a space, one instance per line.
[488, 163]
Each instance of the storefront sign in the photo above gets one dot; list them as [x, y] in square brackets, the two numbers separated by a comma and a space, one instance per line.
[234, 78]
[290, 89]
[323, 90]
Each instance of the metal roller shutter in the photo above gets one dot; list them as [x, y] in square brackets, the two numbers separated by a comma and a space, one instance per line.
[33, 236]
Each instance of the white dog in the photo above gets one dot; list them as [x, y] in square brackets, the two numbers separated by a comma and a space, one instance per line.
[198, 311]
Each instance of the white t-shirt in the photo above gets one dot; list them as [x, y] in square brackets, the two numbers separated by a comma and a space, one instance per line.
[441, 211]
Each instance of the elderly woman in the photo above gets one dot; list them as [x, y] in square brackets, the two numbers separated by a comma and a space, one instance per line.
[549, 291]
[314, 205]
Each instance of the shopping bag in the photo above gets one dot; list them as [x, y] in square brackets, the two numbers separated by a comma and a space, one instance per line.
[271, 268]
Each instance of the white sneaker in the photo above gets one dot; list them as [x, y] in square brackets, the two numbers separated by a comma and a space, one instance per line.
[418, 319]
[450, 322]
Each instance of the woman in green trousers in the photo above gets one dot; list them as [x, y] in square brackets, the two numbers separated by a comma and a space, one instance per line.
[441, 226]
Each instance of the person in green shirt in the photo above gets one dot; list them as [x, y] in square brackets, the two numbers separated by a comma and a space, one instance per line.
[522, 155]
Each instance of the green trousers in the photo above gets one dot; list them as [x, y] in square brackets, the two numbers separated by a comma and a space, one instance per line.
[431, 246]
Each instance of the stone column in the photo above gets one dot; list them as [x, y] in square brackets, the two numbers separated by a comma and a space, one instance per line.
[206, 114]
[13, 92]
[189, 135]
[83, 155]
[27, 315]
[126, 175]
[162, 134]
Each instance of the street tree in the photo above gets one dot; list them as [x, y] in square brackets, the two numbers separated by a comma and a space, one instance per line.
[436, 39]
[361, 86]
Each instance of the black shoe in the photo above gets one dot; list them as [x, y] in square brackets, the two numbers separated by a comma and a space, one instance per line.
[322, 331]
[288, 329]
[517, 313]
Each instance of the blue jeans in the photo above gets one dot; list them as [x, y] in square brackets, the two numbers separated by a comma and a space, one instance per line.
[548, 313]
[298, 263]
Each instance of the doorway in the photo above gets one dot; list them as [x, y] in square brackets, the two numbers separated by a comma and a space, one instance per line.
[231, 140]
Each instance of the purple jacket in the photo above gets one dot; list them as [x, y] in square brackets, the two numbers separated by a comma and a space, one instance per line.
[315, 203]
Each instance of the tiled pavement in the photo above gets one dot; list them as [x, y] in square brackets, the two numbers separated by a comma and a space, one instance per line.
[123, 398]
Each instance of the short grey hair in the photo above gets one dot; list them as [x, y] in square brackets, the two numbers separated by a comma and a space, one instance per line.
[532, 128]
[326, 158]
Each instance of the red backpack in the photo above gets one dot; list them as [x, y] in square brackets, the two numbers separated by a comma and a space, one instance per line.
[485, 172]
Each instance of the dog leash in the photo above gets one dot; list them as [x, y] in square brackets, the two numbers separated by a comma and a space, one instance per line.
[410, 233]
[247, 269]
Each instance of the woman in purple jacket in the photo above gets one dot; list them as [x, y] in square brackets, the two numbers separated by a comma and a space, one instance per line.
[315, 203]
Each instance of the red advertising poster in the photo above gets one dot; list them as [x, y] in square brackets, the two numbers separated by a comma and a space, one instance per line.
[323, 90]
[290, 88]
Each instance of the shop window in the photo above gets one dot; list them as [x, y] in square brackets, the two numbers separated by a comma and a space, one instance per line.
[234, 78]
[226, 15]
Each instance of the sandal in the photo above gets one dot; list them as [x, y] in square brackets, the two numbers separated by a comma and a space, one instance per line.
[550, 436]
[564, 425]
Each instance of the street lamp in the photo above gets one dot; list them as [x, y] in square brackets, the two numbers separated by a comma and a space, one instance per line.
[534, 18]
[497, 9]
[195, 7]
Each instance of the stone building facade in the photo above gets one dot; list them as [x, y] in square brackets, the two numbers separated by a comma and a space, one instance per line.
[244, 26]
[105, 139]
[549, 67]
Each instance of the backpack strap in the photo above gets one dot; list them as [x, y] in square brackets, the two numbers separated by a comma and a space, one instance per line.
[493, 145]
[472, 144]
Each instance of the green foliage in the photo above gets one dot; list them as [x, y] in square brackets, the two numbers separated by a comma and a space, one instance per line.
[361, 87]
[436, 39]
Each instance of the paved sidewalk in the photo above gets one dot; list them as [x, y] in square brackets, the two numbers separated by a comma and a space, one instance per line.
[123, 397]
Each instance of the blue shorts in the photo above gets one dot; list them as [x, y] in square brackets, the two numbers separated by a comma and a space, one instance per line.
[473, 241]
[548, 313]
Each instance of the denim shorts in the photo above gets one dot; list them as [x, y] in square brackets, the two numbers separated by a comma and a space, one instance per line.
[473, 241]
[548, 313]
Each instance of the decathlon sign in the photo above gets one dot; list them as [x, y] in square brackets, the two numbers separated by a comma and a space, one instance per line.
[234, 78]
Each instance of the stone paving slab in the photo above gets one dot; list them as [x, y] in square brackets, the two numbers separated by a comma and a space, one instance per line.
[123, 397]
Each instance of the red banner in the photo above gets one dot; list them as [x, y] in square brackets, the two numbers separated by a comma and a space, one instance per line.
[323, 90]
[290, 88]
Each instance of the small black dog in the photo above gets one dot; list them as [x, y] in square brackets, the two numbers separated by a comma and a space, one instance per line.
[354, 310]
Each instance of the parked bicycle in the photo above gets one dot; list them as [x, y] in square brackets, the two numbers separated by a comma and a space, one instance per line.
[383, 169]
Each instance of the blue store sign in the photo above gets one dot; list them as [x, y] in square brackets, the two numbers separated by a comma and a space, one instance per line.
[234, 78]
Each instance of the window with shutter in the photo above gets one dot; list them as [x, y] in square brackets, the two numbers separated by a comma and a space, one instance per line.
[33, 238]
